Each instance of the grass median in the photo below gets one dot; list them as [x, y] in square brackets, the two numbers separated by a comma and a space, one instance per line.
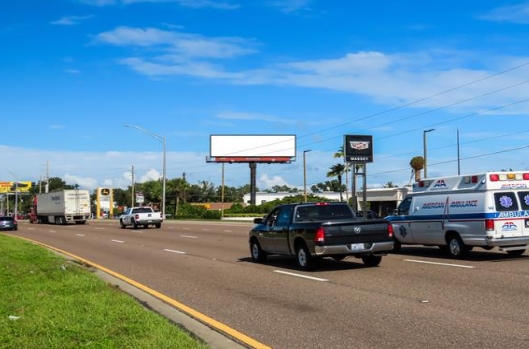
[49, 302]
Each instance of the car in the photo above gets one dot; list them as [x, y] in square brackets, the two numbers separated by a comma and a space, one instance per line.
[370, 214]
[8, 223]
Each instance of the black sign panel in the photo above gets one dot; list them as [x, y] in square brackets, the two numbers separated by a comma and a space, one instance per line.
[358, 148]
[105, 191]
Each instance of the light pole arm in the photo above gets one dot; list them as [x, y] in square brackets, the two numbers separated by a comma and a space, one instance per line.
[164, 165]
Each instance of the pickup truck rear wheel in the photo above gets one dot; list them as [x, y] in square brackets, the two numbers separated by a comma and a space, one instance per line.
[134, 224]
[397, 245]
[304, 259]
[372, 261]
[258, 255]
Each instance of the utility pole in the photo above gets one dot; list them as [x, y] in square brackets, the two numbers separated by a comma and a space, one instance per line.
[47, 178]
[133, 185]
[222, 195]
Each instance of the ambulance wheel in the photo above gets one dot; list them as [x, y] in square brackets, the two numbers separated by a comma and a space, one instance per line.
[515, 253]
[456, 247]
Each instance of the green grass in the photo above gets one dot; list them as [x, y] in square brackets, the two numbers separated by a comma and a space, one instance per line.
[49, 302]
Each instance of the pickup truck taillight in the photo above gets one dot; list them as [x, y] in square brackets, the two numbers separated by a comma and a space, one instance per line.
[136, 216]
[390, 230]
[319, 236]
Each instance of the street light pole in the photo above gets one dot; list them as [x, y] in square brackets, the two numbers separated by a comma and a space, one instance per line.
[16, 194]
[164, 167]
[425, 151]
[305, 174]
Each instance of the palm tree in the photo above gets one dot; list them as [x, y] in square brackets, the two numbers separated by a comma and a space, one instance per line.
[340, 153]
[337, 171]
[417, 164]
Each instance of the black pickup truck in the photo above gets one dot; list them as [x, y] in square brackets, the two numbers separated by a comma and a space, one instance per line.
[310, 231]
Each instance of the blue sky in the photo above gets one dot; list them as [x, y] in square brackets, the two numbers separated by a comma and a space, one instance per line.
[73, 72]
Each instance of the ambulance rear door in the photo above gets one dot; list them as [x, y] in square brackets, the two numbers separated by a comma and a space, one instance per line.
[512, 217]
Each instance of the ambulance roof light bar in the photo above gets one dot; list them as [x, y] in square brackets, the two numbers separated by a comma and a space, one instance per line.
[508, 176]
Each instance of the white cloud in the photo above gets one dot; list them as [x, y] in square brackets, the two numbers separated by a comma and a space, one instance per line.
[266, 182]
[70, 20]
[232, 115]
[151, 175]
[83, 182]
[222, 5]
[518, 13]
[177, 45]
[391, 79]
[289, 6]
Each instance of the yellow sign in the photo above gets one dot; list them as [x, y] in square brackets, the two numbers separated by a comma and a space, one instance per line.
[11, 187]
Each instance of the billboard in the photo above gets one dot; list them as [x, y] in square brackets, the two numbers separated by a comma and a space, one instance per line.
[358, 148]
[10, 187]
[247, 148]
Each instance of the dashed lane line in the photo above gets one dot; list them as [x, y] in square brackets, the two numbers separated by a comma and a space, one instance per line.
[300, 275]
[173, 251]
[442, 264]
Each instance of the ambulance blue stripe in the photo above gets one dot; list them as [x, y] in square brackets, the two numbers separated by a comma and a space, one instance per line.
[462, 216]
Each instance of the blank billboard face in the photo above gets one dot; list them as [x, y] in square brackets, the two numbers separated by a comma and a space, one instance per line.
[253, 146]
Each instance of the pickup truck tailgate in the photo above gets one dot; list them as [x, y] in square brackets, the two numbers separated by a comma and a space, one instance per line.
[357, 231]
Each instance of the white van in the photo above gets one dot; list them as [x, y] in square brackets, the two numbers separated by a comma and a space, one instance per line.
[461, 212]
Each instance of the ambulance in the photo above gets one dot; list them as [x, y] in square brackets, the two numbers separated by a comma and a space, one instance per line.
[459, 213]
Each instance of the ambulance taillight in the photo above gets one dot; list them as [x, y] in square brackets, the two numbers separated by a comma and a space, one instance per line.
[489, 224]
[494, 177]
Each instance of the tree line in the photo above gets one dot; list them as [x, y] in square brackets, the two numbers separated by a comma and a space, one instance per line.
[182, 196]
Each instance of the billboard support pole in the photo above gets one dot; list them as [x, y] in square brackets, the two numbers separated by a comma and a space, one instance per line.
[253, 187]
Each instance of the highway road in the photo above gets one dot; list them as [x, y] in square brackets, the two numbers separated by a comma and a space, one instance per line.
[414, 299]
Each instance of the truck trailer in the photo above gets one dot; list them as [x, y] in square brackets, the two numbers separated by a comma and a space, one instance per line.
[61, 207]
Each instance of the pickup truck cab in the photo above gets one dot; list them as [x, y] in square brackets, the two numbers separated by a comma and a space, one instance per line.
[310, 231]
[141, 216]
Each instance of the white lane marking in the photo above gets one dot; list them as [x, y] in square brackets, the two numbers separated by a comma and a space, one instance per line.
[189, 236]
[99, 228]
[443, 264]
[186, 228]
[206, 229]
[300, 275]
[173, 251]
[228, 231]
[118, 241]
[80, 234]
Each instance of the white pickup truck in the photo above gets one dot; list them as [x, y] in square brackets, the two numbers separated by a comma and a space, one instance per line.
[141, 216]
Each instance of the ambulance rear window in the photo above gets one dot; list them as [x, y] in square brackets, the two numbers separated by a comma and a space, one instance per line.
[524, 200]
[505, 202]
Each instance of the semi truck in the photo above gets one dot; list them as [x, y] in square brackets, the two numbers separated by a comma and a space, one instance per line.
[61, 207]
